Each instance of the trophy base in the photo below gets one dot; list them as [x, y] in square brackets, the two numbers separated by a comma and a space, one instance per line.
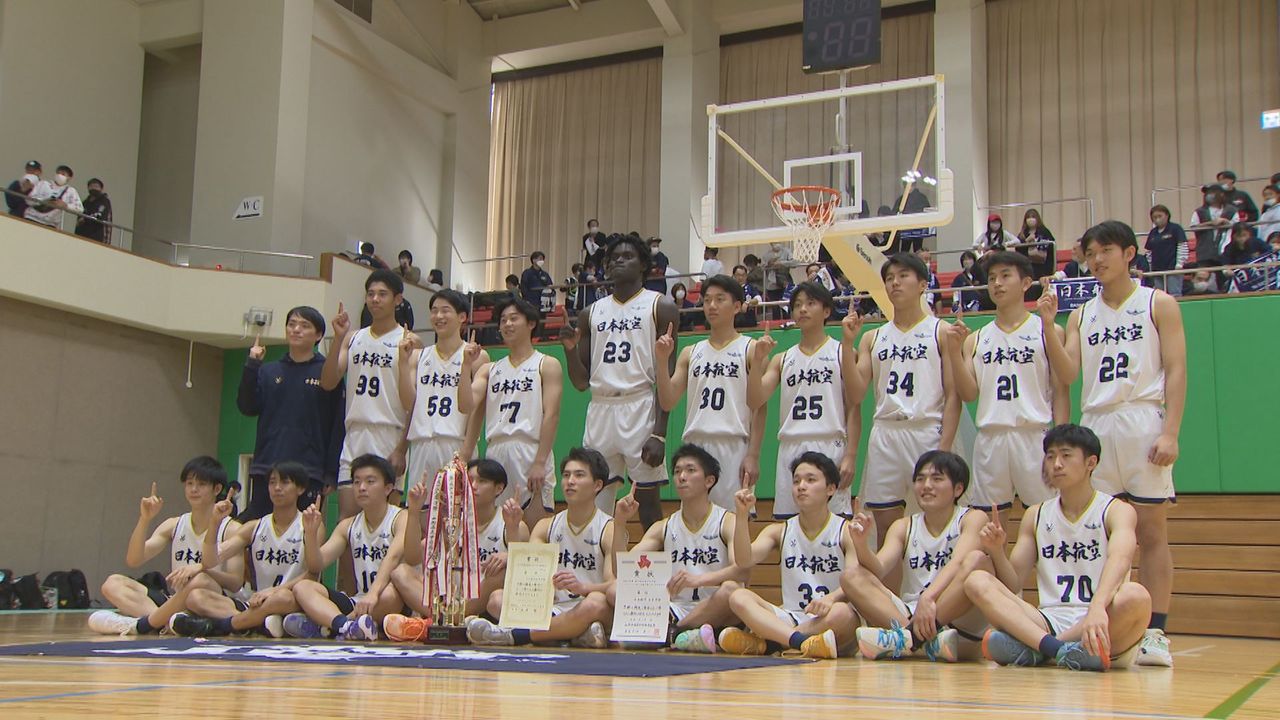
[446, 635]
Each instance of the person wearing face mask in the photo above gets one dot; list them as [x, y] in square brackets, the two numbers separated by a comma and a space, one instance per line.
[1041, 255]
[1236, 197]
[1212, 224]
[535, 283]
[995, 237]
[49, 199]
[680, 296]
[1269, 221]
[777, 275]
[593, 243]
[21, 187]
[95, 224]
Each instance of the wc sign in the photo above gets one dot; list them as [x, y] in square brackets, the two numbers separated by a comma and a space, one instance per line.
[250, 207]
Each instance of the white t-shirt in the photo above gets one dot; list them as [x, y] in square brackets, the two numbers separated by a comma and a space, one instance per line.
[712, 267]
[45, 190]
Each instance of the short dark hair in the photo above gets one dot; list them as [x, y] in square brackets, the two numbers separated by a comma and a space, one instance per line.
[366, 248]
[377, 462]
[1015, 260]
[1228, 174]
[537, 254]
[386, 277]
[522, 306]
[1074, 436]
[814, 291]
[595, 462]
[709, 465]
[65, 169]
[294, 472]
[727, 284]
[453, 297]
[641, 248]
[1110, 232]
[1159, 208]
[736, 268]
[98, 182]
[593, 220]
[512, 280]
[436, 276]
[968, 254]
[751, 259]
[489, 469]
[715, 251]
[406, 254]
[905, 260]
[824, 464]
[947, 463]
[310, 314]
[205, 469]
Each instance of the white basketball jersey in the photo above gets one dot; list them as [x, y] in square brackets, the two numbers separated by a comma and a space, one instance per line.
[492, 538]
[699, 550]
[277, 559]
[1120, 350]
[926, 554]
[581, 552]
[812, 396]
[717, 395]
[435, 408]
[1071, 555]
[810, 567]
[906, 369]
[372, 364]
[185, 547]
[369, 546]
[1014, 385]
[513, 409]
[622, 340]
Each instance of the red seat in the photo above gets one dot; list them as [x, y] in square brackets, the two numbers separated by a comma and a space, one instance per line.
[945, 279]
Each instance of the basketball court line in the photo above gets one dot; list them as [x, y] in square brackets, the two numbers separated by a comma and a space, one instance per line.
[1241, 696]
[1192, 652]
[153, 686]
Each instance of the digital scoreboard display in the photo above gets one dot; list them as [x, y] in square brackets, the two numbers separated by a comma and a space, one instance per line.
[840, 34]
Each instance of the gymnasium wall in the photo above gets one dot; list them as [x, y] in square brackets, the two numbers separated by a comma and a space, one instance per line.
[1230, 414]
[167, 151]
[94, 412]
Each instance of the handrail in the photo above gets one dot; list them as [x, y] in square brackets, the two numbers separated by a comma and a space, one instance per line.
[1195, 187]
[247, 251]
[1087, 200]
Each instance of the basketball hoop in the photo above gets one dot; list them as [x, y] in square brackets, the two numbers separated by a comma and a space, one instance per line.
[807, 211]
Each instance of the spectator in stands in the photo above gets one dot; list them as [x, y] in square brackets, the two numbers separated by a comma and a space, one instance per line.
[711, 264]
[95, 224]
[1233, 195]
[659, 257]
[971, 275]
[1274, 241]
[917, 201]
[435, 281]
[1139, 268]
[751, 296]
[1076, 267]
[995, 237]
[587, 290]
[1244, 246]
[406, 270]
[1167, 246]
[1043, 255]
[657, 278]
[20, 188]
[593, 243]
[931, 296]
[49, 199]
[680, 296]
[1211, 223]
[369, 258]
[755, 273]
[777, 275]
[1203, 281]
[536, 282]
[1269, 221]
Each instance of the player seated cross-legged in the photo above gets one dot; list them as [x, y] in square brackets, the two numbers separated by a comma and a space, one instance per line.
[582, 611]
[495, 528]
[815, 617]
[141, 611]
[699, 537]
[1081, 545]
[275, 556]
[937, 548]
[372, 537]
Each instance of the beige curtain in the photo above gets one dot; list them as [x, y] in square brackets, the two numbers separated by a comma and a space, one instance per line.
[885, 128]
[1109, 99]
[568, 147]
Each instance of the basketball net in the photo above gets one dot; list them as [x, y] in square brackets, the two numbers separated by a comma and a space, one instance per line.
[451, 570]
[808, 212]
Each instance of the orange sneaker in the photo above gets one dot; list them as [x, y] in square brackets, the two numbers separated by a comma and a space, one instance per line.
[405, 629]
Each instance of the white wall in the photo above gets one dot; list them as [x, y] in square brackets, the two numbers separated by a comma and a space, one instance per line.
[71, 92]
[374, 163]
[167, 149]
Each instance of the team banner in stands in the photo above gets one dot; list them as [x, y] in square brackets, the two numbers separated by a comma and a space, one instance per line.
[1074, 293]
[1251, 280]
[643, 602]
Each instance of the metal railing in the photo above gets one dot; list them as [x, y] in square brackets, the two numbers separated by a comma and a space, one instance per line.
[1182, 188]
[1041, 203]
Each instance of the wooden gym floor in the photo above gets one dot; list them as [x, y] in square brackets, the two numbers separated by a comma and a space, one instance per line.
[1215, 677]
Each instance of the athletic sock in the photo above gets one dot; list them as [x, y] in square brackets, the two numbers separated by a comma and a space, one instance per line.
[145, 626]
[336, 624]
[222, 626]
[1049, 646]
[796, 640]
[1158, 620]
[521, 636]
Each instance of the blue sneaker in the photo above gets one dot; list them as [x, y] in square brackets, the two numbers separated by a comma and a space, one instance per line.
[882, 644]
[300, 626]
[944, 647]
[362, 628]
[1074, 656]
[1005, 649]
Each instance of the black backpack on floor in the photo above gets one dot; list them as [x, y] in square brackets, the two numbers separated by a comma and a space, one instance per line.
[73, 589]
[8, 596]
[28, 591]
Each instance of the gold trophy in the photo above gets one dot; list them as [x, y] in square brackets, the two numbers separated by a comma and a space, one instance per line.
[451, 571]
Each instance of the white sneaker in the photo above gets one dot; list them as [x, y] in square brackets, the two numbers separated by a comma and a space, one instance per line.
[274, 625]
[592, 637]
[483, 632]
[110, 622]
[1154, 649]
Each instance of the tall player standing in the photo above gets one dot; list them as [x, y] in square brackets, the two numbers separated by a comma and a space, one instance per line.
[819, 410]
[917, 409]
[714, 372]
[1129, 344]
[1017, 376]
[520, 398]
[611, 351]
